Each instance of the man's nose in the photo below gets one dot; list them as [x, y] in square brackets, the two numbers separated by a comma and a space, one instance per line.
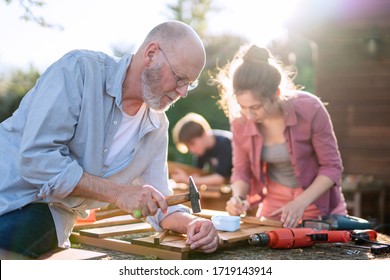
[182, 91]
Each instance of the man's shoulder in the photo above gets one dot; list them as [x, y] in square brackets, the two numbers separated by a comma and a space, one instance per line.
[88, 54]
[87, 57]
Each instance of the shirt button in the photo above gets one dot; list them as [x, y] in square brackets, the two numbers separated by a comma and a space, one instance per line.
[115, 122]
[105, 150]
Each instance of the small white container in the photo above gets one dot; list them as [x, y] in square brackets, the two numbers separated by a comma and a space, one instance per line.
[226, 223]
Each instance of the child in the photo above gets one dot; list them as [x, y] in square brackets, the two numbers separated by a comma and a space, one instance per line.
[208, 146]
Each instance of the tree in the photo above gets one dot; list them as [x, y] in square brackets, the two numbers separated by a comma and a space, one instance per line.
[219, 49]
[13, 88]
[296, 51]
[192, 12]
[29, 15]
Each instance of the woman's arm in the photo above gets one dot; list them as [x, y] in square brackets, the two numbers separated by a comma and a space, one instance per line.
[238, 204]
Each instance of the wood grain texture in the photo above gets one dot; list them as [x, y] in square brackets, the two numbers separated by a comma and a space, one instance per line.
[190, 170]
[261, 221]
[113, 221]
[166, 244]
[159, 237]
[172, 242]
[72, 254]
[127, 247]
[117, 230]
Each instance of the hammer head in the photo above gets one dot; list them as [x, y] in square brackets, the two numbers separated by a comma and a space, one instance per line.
[194, 196]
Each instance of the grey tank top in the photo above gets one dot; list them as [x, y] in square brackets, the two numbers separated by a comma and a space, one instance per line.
[279, 167]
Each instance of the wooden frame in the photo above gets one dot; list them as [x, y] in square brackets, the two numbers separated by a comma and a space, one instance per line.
[165, 244]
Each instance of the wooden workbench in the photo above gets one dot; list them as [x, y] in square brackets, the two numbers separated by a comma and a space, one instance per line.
[143, 245]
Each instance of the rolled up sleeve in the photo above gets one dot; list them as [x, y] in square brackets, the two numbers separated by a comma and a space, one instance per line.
[325, 145]
[158, 165]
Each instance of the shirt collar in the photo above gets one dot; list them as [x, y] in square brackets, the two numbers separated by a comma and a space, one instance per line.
[115, 79]
[290, 117]
[116, 76]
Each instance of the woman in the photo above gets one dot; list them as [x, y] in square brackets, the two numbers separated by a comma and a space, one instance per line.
[284, 146]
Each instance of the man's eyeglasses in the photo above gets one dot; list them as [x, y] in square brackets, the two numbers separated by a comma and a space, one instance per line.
[180, 82]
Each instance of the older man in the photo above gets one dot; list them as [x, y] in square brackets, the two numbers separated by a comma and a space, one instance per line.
[93, 131]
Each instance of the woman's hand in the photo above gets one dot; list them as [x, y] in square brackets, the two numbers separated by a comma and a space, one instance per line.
[291, 213]
[236, 206]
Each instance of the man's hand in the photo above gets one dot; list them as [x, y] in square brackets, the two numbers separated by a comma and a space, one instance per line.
[202, 235]
[141, 201]
[137, 200]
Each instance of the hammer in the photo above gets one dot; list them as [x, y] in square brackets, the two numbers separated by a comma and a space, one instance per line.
[192, 196]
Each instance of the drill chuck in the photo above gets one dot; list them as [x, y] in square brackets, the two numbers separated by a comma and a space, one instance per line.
[259, 239]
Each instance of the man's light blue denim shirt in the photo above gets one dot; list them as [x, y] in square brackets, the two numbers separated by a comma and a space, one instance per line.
[63, 127]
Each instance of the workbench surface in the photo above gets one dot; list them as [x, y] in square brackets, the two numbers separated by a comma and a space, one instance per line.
[243, 251]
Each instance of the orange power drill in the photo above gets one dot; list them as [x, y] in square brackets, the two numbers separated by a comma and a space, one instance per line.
[286, 238]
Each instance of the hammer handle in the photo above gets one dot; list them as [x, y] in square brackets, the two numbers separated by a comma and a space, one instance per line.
[177, 199]
[171, 200]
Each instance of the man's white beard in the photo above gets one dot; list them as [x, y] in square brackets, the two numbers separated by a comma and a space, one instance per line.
[150, 82]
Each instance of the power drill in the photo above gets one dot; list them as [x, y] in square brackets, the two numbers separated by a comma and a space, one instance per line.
[286, 238]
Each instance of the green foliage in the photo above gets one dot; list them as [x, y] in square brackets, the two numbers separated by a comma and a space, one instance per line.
[30, 15]
[219, 50]
[203, 99]
[296, 50]
[13, 88]
[192, 12]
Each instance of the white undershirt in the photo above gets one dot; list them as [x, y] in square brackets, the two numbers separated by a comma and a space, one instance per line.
[125, 138]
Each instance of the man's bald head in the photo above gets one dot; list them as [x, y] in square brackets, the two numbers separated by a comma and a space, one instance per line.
[180, 42]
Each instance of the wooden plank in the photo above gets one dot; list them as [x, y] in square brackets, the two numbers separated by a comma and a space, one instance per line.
[243, 233]
[108, 213]
[262, 221]
[114, 221]
[127, 247]
[208, 213]
[159, 237]
[72, 254]
[117, 230]
[175, 242]
[190, 170]
[172, 242]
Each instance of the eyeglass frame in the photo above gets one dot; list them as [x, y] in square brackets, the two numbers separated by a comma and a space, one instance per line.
[180, 82]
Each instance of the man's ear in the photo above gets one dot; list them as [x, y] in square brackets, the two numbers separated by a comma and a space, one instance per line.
[150, 52]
